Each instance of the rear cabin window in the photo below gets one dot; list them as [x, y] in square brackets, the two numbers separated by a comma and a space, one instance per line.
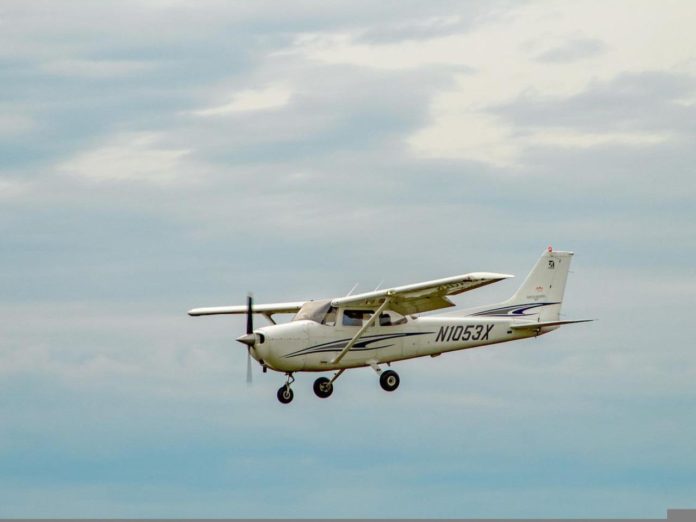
[391, 319]
[356, 317]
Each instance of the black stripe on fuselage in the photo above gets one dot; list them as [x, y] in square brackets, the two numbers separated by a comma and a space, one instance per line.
[361, 345]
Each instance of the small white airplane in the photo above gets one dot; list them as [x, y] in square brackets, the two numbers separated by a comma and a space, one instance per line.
[380, 327]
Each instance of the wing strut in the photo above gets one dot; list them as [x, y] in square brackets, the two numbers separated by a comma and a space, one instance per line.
[357, 336]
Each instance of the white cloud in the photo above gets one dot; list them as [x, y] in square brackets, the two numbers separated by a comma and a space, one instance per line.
[686, 102]
[478, 136]
[503, 55]
[128, 157]
[10, 189]
[13, 122]
[573, 139]
[475, 136]
[94, 68]
[273, 97]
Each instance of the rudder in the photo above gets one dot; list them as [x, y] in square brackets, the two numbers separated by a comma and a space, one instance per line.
[544, 284]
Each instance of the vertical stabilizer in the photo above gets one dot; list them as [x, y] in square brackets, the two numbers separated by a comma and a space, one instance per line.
[543, 288]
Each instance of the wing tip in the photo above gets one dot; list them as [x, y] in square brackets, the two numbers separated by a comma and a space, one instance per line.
[489, 275]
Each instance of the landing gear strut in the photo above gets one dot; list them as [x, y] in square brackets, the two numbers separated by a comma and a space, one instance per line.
[285, 394]
[388, 380]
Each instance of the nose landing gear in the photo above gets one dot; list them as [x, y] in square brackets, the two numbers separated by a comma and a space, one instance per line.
[285, 394]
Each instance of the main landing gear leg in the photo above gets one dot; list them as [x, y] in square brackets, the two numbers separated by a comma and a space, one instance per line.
[373, 364]
[285, 394]
[388, 380]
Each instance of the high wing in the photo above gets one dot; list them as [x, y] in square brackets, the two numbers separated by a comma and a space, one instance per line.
[265, 309]
[422, 297]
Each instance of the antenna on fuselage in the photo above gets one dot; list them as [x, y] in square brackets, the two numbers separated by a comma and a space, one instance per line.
[352, 289]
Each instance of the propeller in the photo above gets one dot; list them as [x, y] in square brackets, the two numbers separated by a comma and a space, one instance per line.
[248, 378]
[249, 331]
[249, 338]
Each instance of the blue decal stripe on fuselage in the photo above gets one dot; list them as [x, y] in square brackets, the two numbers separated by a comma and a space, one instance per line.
[513, 310]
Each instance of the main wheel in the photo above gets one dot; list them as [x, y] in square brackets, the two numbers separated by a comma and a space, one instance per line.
[389, 380]
[323, 387]
[285, 394]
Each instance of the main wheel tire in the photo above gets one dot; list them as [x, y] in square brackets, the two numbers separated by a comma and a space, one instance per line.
[285, 394]
[389, 380]
[323, 387]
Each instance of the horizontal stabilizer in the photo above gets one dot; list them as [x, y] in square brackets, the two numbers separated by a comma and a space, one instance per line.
[536, 326]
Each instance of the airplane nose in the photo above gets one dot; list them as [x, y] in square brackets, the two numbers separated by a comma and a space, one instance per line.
[248, 339]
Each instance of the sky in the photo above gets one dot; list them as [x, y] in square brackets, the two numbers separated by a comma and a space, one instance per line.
[163, 155]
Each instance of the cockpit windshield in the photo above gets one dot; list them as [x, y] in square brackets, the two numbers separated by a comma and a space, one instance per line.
[313, 311]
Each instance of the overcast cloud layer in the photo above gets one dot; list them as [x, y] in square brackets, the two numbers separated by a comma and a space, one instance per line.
[156, 156]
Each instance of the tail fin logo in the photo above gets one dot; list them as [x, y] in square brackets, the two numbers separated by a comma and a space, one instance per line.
[552, 264]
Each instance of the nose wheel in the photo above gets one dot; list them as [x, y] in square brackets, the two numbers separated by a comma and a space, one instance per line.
[285, 394]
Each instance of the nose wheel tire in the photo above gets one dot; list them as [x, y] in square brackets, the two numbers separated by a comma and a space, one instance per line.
[285, 394]
[323, 387]
[389, 380]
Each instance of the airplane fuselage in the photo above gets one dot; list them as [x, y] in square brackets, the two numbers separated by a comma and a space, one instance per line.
[310, 346]
[384, 326]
